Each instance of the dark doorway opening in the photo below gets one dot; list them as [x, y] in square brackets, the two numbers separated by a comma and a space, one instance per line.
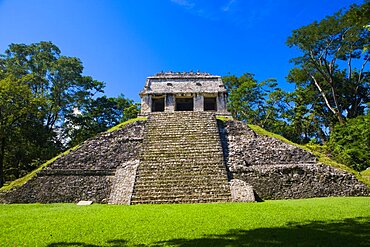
[210, 104]
[157, 104]
[184, 104]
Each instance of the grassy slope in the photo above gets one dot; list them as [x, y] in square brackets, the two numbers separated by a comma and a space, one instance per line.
[307, 222]
[321, 156]
[366, 174]
[122, 125]
[20, 181]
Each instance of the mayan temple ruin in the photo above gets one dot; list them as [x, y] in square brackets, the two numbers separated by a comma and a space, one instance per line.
[185, 148]
[172, 92]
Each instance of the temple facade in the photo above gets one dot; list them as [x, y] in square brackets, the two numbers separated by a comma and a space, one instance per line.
[183, 91]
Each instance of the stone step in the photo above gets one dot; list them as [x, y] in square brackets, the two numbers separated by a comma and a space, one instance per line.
[181, 201]
[158, 159]
[181, 179]
[173, 138]
[169, 132]
[185, 163]
[183, 172]
[155, 200]
[183, 141]
[178, 176]
[161, 192]
[181, 196]
[156, 147]
[181, 161]
[212, 166]
[179, 187]
[164, 168]
[202, 142]
[187, 125]
[143, 183]
[216, 193]
[181, 153]
[148, 183]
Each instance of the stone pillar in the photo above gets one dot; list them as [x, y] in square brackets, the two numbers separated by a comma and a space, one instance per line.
[146, 104]
[198, 102]
[169, 103]
[221, 103]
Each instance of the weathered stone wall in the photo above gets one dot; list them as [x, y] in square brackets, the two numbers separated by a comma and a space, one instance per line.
[243, 147]
[301, 181]
[86, 173]
[278, 170]
[63, 188]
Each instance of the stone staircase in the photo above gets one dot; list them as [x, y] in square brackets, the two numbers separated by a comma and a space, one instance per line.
[181, 161]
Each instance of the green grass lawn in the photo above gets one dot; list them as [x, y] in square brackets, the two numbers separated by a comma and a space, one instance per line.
[308, 222]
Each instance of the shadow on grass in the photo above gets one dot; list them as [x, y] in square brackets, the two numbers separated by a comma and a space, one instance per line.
[110, 243]
[349, 232]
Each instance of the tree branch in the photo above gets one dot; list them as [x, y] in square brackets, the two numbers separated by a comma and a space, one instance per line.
[322, 94]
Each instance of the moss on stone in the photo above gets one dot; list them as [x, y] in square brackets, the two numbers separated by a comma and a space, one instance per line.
[366, 174]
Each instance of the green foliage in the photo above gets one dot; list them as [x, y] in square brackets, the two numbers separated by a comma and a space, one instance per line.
[254, 102]
[98, 115]
[332, 221]
[331, 72]
[16, 105]
[56, 79]
[350, 143]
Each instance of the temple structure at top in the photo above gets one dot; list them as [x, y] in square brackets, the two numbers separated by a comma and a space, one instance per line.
[183, 91]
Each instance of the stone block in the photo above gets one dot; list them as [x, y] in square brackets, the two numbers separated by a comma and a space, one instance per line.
[84, 203]
[241, 191]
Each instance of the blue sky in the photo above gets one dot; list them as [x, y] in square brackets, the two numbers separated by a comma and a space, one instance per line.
[123, 42]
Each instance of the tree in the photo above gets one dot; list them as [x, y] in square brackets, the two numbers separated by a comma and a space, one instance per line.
[247, 99]
[333, 63]
[16, 105]
[56, 79]
[350, 142]
[97, 116]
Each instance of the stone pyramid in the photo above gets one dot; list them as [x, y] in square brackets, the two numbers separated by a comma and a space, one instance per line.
[184, 157]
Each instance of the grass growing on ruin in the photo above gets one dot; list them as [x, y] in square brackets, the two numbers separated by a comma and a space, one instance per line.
[224, 118]
[306, 222]
[366, 174]
[122, 125]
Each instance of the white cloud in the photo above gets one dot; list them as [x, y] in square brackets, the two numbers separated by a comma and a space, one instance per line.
[184, 3]
[227, 6]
